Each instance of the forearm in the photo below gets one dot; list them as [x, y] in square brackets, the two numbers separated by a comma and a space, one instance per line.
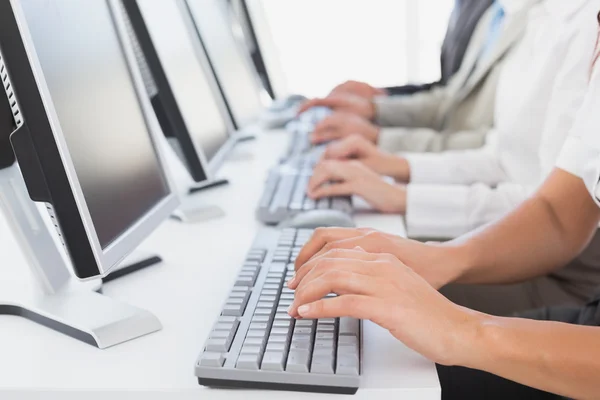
[544, 234]
[554, 357]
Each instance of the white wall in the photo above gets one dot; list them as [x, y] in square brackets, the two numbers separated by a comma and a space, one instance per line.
[383, 42]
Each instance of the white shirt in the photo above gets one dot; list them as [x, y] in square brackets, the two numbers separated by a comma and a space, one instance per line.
[541, 88]
[580, 154]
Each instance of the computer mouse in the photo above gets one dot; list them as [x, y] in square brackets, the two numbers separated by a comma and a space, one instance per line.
[319, 219]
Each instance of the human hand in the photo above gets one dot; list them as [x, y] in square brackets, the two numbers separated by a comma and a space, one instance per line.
[360, 89]
[381, 289]
[358, 148]
[345, 178]
[438, 264]
[343, 102]
[342, 124]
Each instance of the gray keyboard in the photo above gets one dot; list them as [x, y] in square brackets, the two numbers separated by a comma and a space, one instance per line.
[256, 344]
[300, 130]
[284, 194]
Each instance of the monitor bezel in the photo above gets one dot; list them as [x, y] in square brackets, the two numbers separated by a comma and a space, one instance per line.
[259, 24]
[195, 159]
[105, 259]
[213, 69]
[202, 56]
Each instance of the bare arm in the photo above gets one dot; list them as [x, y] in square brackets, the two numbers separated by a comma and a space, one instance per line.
[544, 234]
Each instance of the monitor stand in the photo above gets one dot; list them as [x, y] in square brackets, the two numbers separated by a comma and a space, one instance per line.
[51, 296]
[193, 209]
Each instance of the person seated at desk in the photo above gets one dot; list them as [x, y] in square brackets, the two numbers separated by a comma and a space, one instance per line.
[391, 281]
[454, 116]
[455, 192]
[465, 16]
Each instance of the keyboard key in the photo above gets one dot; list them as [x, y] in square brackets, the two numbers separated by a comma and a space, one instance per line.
[219, 345]
[245, 281]
[261, 318]
[235, 310]
[322, 364]
[347, 365]
[248, 361]
[253, 350]
[258, 326]
[323, 204]
[349, 326]
[212, 359]
[273, 361]
[298, 361]
[256, 334]
[227, 320]
[253, 341]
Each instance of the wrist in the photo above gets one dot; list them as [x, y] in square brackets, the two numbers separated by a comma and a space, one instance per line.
[473, 337]
[399, 168]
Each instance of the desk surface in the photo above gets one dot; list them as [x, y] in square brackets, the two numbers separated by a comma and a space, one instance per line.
[186, 293]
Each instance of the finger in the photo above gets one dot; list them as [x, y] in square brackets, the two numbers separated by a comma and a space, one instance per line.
[331, 122]
[321, 237]
[332, 190]
[330, 261]
[342, 149]
[338, 282]
[324, 172]
[324, 136]
[351, 305]
[372, 242]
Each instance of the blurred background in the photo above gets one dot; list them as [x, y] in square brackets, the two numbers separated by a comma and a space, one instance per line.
[320, 47]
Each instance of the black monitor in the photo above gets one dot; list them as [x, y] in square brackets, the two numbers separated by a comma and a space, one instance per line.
[231, 64]
[239, 10]
[83, 133]
[173, 123]
[176, 55]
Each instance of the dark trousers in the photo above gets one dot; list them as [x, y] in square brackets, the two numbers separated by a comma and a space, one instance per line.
[460, 383]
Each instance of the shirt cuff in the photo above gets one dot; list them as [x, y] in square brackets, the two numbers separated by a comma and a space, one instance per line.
[436, 212]
[429, 168]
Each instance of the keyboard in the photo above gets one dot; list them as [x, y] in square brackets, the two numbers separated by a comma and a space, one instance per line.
[301, 128]
[256, 344]
[284, 194]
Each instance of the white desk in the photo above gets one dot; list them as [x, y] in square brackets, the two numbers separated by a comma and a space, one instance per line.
[186, 293]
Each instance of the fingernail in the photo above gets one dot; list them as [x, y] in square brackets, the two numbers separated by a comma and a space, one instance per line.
[303, 310]
[291, 281]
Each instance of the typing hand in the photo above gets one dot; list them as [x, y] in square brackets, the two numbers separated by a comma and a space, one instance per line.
[360, 89]
[437, 264]
[342, 124]
[380, 288]
[358, 148]
[345, 178]
[343, 102]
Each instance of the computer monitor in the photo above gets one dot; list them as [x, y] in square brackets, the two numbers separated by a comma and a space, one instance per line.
[238, 11]
[162, 31]
[84, 128]
[259, 23]
[232, 66]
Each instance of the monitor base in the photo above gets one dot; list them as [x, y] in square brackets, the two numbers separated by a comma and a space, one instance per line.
[79, 311]
[194, 209]
[199, 187]
[134, 263]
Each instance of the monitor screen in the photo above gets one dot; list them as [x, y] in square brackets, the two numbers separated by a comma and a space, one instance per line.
[236, 75]
[197, 100]
[98, 110]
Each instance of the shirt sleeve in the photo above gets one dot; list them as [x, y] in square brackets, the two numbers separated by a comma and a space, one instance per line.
[448, 211]
[458, 167]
